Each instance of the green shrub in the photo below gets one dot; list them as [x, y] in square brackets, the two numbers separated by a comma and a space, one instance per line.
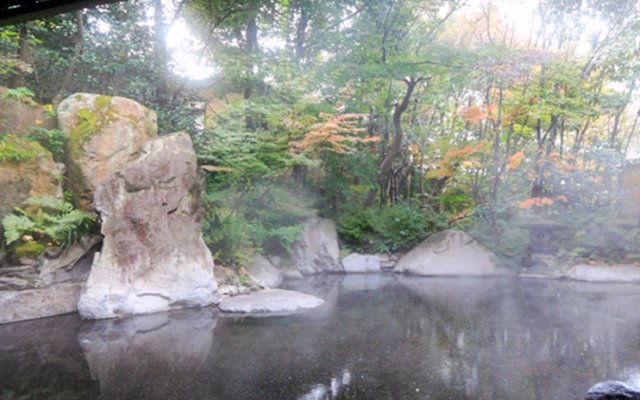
[30, 250]
[241, 221]
[22, 93]
[46, 221]
[53, 140]
[599, 235]
[16, 149]
[389, 228]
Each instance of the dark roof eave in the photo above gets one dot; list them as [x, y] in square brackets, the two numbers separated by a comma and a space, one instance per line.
[18, 11]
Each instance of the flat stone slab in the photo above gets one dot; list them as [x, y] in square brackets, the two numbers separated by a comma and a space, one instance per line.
[604, 273]
[270, 301]
[20, 305]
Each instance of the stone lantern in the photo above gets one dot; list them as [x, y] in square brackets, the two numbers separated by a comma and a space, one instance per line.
[541, 250]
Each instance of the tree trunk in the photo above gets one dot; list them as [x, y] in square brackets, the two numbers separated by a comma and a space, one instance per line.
[77, 53]
[251, 45]
[161, 53]
[396, 146]
[301, 32]
[23, 55]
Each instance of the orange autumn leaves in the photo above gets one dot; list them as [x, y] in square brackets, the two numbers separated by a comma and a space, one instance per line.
[539, 201]
[455, 158]
[477, 114]
[338, 133]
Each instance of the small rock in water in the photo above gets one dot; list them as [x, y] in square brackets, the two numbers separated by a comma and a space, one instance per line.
[613, 390]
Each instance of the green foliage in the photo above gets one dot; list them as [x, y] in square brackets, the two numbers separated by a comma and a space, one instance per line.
[53, 140]
[389, 228]
[29, 250]
[499, 230]
[20, 93]
[46, 221]
[17, 149]
[241, 221]
[599, 235]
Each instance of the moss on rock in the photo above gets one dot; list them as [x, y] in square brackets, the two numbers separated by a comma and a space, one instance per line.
[17, 149]
[28, 250]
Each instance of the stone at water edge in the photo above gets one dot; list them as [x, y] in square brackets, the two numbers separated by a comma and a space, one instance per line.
[451, 253]
[264, 271]
[103, 135]
[604, 273]
[613, 390]
[361, 263]
[316, 249]
[20, 305]
[270, 301]
[153, 256]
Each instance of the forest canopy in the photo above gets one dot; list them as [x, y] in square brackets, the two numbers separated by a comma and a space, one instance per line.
[395, 118]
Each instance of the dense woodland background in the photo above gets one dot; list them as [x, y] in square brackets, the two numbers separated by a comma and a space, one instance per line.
[395, 118]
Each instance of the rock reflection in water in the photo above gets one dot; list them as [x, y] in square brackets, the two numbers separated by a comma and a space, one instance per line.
[41, 359]
[381, 337]
[156, 356]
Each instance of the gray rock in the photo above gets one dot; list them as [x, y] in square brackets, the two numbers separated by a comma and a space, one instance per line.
[270, 301]
[262, 270]
[361, 263]
[58, 268]
[449, 253]
[317, 250]
[153, 256]
[604, 273]
[387, 261]
[20, 305]
[103, 135]
[613, 390]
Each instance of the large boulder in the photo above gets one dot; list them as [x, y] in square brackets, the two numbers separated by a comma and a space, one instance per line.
[270, 301]
[103, 135]
[613, 390]
[26, 170]
[316, 250]
[449, 253]
[153, 256]
[20, 114]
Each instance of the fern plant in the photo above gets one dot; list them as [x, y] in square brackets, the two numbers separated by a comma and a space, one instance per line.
[47, 220]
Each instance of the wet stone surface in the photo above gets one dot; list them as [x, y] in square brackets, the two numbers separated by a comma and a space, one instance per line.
[377, 337]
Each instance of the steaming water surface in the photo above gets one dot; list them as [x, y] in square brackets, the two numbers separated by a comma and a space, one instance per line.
[378, 337]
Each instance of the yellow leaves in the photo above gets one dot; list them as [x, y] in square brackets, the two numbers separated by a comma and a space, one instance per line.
[515, 160]
[337, 133]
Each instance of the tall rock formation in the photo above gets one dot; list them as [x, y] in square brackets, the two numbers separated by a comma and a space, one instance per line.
[153, 258]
